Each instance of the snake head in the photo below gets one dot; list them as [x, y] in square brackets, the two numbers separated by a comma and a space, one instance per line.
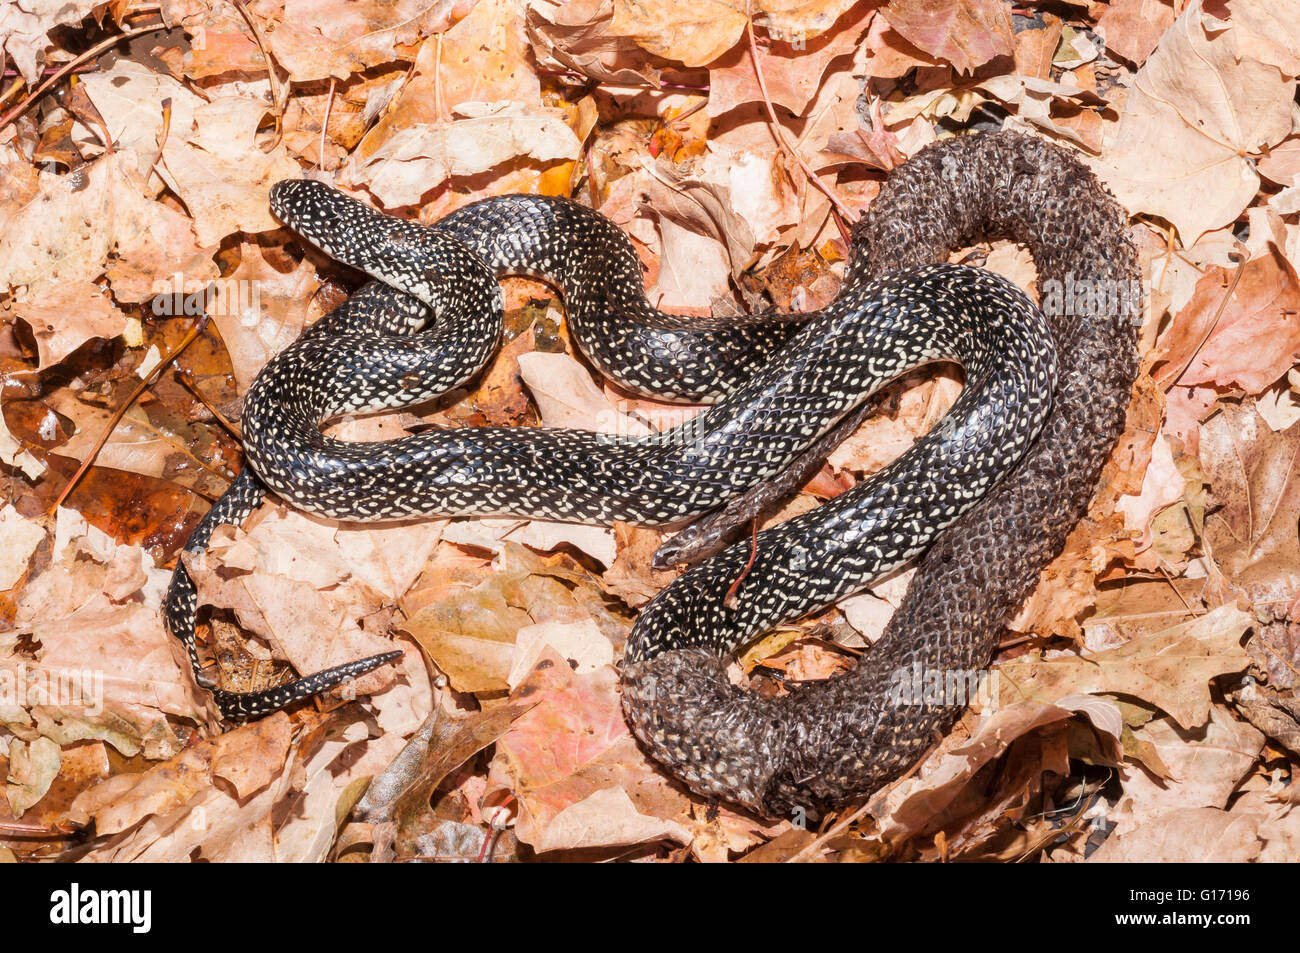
[289, 196]
[313, 209]
[322, 214]
[345, 229]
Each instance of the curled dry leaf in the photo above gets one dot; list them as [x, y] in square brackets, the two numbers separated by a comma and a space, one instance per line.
[129, 98]
[746, 185]
[921, 800]
[1209, 98]
[694, 34]
[633, 577]
[1162, 485]
[248, 758]
[568, 397]
[922, 399]
[582, 709]
[697, 225]
[32, 769]
[220, 42]
[891, 55]
[1036, 47]
[1280, 404]
[14, 454]
[316, 39]
[418, 158]
[965, 33]
[1280, 827]
[149, 439]
[469, 630]
[49, 249]
[25, 31]
[320, 593]
[603, 818]
[212, 158]
[581, 644]
[119, 686]
[482, 58]
[259, 309]
[868, 613]
[1048, 105]
[401, 792]
[222, 174]
[1270, 699]
[67, 318]
[1282, 165]
[799, 19]
[578, 35]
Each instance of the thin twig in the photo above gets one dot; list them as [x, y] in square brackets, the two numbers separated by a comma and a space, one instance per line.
[325, 123]
[94, 121]
[1016, 640]
[590, 164]
[47, 71]
[162, 136]
[1170, 238]
[70, 66]
[188, 382]
[437, 77]
[113, 421]
[276, 100]
[19, 829]
[574, 74]
[1170, 580]
[684, 114]
[839, 210]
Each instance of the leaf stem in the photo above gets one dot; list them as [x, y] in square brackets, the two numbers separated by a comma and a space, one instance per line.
[68, 67]
[145, 383]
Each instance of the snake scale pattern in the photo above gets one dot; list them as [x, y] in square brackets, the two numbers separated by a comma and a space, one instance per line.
[988, 496]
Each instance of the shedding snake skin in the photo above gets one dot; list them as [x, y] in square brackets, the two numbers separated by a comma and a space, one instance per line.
[843, 738]
[991, 492]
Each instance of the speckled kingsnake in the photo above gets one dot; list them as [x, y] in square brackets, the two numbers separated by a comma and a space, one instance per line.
[997, 501]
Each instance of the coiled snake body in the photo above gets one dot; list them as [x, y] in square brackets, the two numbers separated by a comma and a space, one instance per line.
[998, 502]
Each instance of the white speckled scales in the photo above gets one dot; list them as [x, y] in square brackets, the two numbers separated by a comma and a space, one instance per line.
[433, 319]
[778, 385]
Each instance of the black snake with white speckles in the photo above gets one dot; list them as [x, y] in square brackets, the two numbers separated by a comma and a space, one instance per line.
[998, 502]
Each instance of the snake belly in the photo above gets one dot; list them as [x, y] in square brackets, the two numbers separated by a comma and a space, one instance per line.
[778, 388]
